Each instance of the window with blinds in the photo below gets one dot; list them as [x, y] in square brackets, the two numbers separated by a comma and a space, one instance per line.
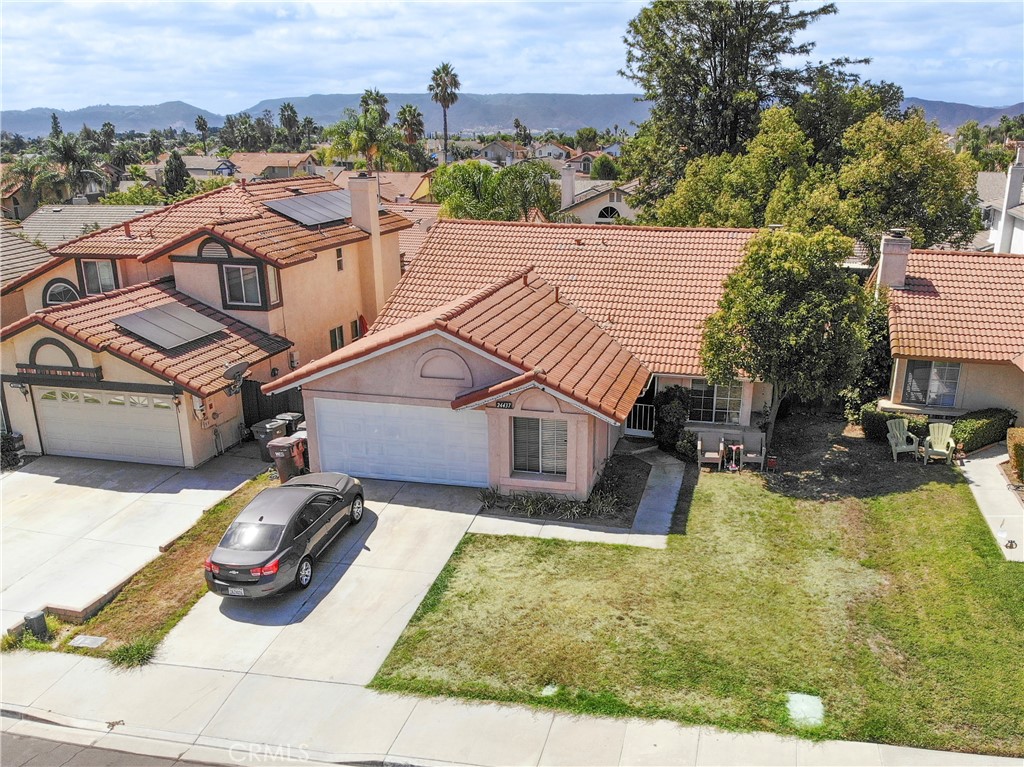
[540, 445]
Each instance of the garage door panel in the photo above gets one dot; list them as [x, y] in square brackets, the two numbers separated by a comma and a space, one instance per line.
[403, 442]
[110, 425]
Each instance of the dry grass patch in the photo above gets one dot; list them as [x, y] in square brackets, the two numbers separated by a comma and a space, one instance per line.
[875, 586]
[162, 592]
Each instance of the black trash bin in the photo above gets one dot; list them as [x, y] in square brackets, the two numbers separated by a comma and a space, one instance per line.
[264, 431]
[288, 455]
[291, 420]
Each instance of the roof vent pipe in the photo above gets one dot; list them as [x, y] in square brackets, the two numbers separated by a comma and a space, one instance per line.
[127, 229]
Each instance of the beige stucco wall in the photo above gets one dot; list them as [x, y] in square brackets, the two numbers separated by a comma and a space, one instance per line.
[315, 296]
[587, 211]
[129, 272]
[395, 377]
[12, 307]
[980, 386]
[33, 289]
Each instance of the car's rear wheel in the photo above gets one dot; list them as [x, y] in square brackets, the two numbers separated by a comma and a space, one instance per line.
[304, 573]
[357, 509]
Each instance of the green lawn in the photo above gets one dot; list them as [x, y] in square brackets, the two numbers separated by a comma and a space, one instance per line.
[877, 587]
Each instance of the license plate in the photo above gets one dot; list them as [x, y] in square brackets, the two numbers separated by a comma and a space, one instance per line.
[235, 591]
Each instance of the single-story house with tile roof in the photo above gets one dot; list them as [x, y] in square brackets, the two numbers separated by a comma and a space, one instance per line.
[956, 329]
[273, 164]
[538, 345]
[135, 374]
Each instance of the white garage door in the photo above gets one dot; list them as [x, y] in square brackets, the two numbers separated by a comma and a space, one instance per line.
[417, 444]
[86, 423]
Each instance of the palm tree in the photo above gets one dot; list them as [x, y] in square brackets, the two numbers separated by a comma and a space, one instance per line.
[203, 128]
[289, 118]
[366, 134]
[374, 98]
[410, 122]
[24, 171]
[309, 128]
[72, 167]
[444, 84]
[124, 153]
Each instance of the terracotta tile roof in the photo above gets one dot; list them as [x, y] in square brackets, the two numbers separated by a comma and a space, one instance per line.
[650, 288]
[195, 366]
[18, 257]
[392, 185]
[254, 163]
[526, 322]
[960, 306]
[423, 215]
[235, 214]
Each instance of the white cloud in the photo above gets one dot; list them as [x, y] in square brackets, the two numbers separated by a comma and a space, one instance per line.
[226, 56]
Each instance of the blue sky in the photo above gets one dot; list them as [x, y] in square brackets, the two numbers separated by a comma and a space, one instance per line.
[226, 56]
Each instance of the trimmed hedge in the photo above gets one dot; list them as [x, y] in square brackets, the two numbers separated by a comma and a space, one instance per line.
[873, 422]
[1015, 447]
[975, 429]
[982, 427]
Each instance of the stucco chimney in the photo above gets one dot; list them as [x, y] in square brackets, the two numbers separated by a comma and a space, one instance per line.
[892, 266]
[366, 216]
[1011, 199]
[568, 185]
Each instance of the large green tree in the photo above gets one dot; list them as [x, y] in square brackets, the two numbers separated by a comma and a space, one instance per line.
[71, 166]
[367, 134]
[444, 90]
[175, 174]
[791, 316]
[289, 119]
[374, 99]
[107, 137]
[709, 67]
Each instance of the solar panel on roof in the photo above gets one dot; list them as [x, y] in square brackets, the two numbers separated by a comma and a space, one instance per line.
[169, 326]
[313, 209]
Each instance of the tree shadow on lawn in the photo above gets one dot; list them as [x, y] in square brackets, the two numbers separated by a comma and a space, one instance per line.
[825, 458]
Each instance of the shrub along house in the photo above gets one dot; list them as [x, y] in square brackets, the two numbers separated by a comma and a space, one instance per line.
[297, 267]
[956, 326]
[514, 355]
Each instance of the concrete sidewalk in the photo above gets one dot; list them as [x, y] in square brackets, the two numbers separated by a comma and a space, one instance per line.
[218, 716]
[999, 505]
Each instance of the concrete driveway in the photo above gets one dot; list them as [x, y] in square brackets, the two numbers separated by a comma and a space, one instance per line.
[74, 529]
[365, 588]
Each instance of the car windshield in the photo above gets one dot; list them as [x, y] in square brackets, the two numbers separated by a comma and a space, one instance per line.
[252, 536]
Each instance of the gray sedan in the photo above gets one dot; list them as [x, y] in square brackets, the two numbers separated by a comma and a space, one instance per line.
[274, 541]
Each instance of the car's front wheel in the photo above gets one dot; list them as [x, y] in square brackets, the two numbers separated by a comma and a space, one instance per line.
[304, 573]
[357, 509]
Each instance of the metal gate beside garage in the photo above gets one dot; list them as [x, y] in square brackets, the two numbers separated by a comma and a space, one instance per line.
[122, 426]
[404, 442]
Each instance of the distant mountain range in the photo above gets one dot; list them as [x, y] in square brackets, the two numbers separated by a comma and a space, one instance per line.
[473, 113]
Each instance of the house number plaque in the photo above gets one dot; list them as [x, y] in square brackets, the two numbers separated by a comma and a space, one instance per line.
[503, 404]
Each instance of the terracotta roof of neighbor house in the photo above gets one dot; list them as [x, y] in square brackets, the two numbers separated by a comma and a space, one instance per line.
[650, 288]
[195, 366]
[254, 163]
[18, 256]
[524, 321]
[234, 214]
[392, 185]
[423, 216]
[54, 225]
[960, 306]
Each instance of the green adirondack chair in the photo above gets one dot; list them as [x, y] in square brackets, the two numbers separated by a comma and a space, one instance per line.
[901, 440]
[939, 442]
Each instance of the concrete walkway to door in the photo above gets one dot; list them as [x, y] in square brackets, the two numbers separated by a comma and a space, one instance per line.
[75, 529]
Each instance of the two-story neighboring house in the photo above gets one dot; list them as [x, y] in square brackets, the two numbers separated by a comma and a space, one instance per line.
[153, 312]
[273, 164]
[503, 152]
[552, 149]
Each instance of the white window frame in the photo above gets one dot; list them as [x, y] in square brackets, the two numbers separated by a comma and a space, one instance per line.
[943, 383]
[97, 277]
[273, 286]
[720, 402]
[225, 269]
[549, 455]
[49, 301]
[339, 257]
